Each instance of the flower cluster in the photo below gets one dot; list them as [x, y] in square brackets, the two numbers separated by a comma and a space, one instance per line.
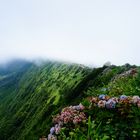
[75, 115]
[71, 114]
[104, 101]
[132, 72]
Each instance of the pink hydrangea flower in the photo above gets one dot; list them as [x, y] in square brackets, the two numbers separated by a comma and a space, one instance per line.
[81, 107]
[135, 99]
[115, 99]
[138, 104]
[101, 104]
[70, 114]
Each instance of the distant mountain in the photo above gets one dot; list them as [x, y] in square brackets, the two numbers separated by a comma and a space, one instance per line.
[10, 75]
[13, 66]
[31, 94]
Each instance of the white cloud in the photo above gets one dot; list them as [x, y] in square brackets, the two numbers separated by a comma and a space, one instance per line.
[88, 32]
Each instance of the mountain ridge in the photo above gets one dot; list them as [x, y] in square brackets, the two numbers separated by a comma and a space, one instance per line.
[32, 94]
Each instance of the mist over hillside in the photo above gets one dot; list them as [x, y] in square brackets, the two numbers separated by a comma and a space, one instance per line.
[69, 70]
[31, 93]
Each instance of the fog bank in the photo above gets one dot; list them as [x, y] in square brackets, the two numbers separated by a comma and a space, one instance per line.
[87, 32]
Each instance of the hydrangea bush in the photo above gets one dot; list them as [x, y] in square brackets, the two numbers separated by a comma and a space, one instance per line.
[76, 115]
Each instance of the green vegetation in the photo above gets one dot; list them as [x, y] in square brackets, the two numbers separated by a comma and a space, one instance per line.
[30, 95]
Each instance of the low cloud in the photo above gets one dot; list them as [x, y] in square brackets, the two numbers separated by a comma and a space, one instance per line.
[85, 32]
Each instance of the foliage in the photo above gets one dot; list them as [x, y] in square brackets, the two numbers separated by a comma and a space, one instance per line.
[35, 95]
[30, 95]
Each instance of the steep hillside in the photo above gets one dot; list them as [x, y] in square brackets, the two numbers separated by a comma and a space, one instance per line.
[10, 75]
[110, 108]
[32, 94]
[30, 98]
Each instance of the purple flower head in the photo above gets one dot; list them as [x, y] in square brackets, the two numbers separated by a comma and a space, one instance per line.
[102, 97]
[123, 97]
[110, 104]
[57, 129]
[52, 130]
[77, 107]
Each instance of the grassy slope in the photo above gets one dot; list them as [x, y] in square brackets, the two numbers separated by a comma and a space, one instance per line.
[29, 101]
[41, 91]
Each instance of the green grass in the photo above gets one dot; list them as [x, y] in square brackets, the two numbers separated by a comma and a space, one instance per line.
[30, 98]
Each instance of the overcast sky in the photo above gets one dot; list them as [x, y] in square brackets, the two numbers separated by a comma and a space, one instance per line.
[82, 31]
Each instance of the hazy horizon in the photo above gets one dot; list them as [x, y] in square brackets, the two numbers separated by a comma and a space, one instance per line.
[88, 32]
